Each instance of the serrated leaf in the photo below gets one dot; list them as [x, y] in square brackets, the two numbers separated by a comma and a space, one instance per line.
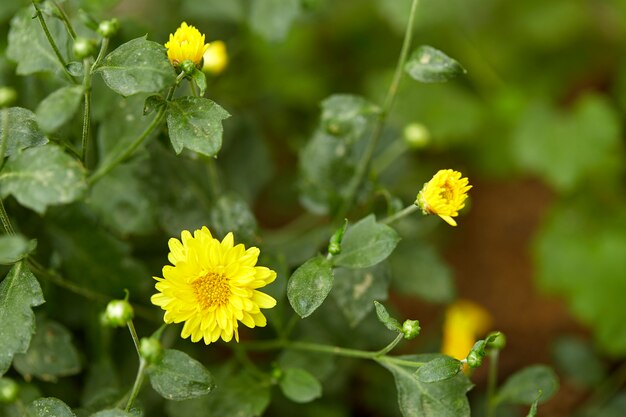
[356, 289]
[59, 107]
[19, 292]
[309, 285]
[439, 369]
[345, 115]
[429, 65]
[366, 243]
[300, 386]
[49, 407]
[180, 377]
[42, 176]
[29, 47]
[446, 398]
[385, 318]
[51, 353]
[195, 123]
[20, 130]
[138, 66]
[523, 386]
[13, 248]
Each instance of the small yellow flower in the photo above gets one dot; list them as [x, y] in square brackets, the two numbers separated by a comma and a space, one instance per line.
[186, 43]
[215, 58]
[444, 195]
[211, 286]
[464, 322]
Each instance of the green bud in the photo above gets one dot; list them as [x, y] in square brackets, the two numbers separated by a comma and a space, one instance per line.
[416, 135]
[410, 328]
[118, 313]
[334, 246]
[188, 67]
[8, 96]
[108, 28]
[474, 359]
[496, 340]
[84, 48]
[9, 390]
[150, 349]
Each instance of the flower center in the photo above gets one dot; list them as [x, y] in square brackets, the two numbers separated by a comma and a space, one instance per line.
[447, 192]
[211, 290]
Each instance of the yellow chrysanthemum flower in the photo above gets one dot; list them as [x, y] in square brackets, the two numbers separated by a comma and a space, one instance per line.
[215, 58]
[211, 285]
[464, 322]
[186, 43]
[444, 195]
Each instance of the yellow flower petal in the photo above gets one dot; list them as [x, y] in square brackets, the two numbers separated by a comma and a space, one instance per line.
[187, 43]
[444, 195]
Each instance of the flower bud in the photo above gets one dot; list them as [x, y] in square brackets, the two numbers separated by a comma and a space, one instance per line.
[108, 28]
[150, 349]
[416, 135]
[334, 245]
[9, 390]
[496, 340]
[410, 328]
[474, 359]
[118, 313]
[84, 48]
[188, 67]
[8, 96]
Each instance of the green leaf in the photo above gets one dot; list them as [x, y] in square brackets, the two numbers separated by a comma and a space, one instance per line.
[115, 412]
[13, 248]
[429, 65]
[180, 377]
[366, 243]
[385, 318]
[152, 103]
[576, 360]
[195, 123]
[19, 129]
[300, 386]
[49, 407]
[273, 18]
[42, 176]
[29, 47]
[51, 353]
[533, 407]
[309, 285]
[138, 66]
[445, 398]
[439, 369]
[200, 79]
[523, 386]
[356, 289]
[345, 115]
[59, 107]
[320, 365]
[19, 292]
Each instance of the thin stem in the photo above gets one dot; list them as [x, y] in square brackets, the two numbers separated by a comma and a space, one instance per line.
[402, 213]
[194, 90]
[492, 381]
[389, 155]
[65, 20]
[87, 112]
[4, 136]
[104, 45]
[365, 161]
[391, 345]
[133, 334]
[6, 223]
[51, 41]
[141, 372]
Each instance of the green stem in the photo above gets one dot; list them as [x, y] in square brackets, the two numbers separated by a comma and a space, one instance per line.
[141, 373]
[4, 136]
[389, 155]
[133, 334]
[390, 98]
[6, 223]
[402, 213]
[391, 345]
[52, 43]
[492, 381]
[65, 20]
[87, 112]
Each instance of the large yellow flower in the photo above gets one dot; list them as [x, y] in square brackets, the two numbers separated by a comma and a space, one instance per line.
[186, 43]
[211, 285]
[444, 195]
[464, 322]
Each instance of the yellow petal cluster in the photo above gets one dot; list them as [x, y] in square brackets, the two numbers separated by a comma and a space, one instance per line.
[211, 286]
[464, 322]
[215, 58]
[444, 195]
[186, 43]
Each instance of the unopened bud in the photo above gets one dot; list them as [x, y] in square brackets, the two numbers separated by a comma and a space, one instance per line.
[410, 328]
[9, 390]
[188, 67]
[84, 48]
[108, 28]
[416, 135]
[150, 349]
[8, 96]
[496, 340]
[474, 359]
[118, 313]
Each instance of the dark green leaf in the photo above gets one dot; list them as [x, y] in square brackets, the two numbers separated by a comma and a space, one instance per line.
[180, 377]
[439, 369]
[309, 285]
[42, 176]
[115, 412]
[152, 103]
[576, 360]
[49, 407]
[386, 319]
[523, 386]
[195, 123]
[300, 386]
[13, 248]
[59, 107]
[273, 18]
[345, 115]
[19, 292]
[429, 65]
[356, 289]
[29, 47]
[19, 129]
[51, 353]
[446, 398]
[138, 66]
[75, 68]
[366, 243]
[200, 79]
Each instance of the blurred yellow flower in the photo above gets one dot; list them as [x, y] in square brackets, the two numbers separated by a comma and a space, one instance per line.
[211, 285]
[186, 43]
[444, 195]
[215, 58]
[464, 322]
